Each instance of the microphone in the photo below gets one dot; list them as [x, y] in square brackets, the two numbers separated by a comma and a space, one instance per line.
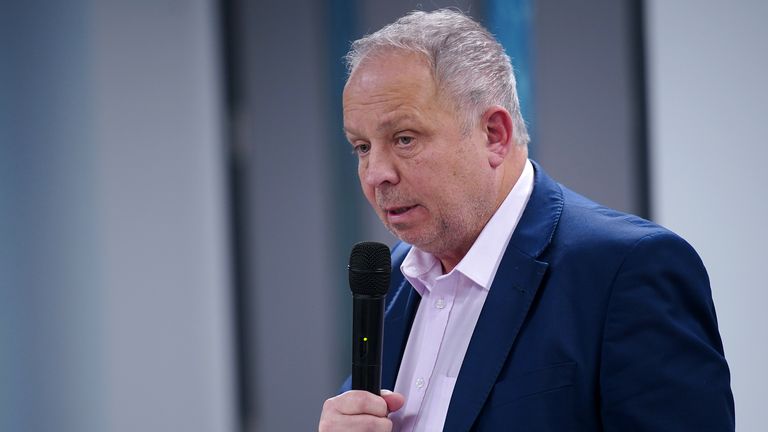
[369, 267]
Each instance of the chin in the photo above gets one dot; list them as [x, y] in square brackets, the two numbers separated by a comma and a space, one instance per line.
[408, 236]
[425, 243]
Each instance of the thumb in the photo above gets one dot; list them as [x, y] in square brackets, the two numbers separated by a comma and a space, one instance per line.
[395, 401]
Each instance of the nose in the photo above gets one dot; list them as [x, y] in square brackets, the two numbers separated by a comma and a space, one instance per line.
[378, 167]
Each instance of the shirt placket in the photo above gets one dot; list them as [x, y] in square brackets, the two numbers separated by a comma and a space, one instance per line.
[440, 301]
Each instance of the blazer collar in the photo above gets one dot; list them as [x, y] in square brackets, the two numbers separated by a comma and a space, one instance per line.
[542, 213]
[396, 330]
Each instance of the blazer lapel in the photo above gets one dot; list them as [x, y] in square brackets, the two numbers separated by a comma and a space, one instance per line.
[506, 307]
[396, 329]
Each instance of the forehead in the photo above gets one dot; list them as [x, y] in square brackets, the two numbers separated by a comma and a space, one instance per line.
[389, 85]
[390, 67]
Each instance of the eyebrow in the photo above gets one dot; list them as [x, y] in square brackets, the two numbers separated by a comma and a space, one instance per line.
[400, 118]
[348, 133]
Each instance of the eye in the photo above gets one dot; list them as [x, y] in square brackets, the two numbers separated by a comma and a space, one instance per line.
[361, 149]
[405, 140]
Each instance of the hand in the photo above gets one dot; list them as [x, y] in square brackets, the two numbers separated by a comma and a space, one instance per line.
[358, 410]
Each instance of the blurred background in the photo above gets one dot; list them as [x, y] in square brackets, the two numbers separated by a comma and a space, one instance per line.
[177, 201]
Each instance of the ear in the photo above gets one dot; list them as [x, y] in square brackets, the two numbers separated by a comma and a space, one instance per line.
[497, 126]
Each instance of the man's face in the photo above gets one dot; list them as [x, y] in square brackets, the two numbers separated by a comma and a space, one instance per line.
[430, 184]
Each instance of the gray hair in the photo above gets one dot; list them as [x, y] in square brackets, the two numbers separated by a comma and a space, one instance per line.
[467, 61]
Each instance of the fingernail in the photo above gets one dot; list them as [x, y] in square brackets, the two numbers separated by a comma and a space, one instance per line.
[385, 392]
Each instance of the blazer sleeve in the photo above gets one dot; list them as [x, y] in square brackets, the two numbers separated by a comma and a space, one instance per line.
[662, 363]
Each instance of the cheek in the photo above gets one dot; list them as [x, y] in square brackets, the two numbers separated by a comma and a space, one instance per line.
[368, 191]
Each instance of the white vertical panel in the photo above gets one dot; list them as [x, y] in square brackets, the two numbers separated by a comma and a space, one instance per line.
[707, 74]
[161, 189]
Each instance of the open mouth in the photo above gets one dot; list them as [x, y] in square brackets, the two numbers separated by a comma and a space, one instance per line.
[399, 210]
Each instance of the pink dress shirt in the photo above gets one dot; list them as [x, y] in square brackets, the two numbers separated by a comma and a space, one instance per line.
[449, 308]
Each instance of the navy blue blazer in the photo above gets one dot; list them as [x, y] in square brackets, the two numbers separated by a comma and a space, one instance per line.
[596, 321]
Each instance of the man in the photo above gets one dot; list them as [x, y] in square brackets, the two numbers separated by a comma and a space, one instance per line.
[515, 303]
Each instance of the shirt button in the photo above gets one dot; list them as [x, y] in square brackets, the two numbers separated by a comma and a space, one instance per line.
[419, 382]
[440, 303]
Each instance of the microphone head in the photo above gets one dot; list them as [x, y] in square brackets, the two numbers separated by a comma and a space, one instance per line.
[370, 264]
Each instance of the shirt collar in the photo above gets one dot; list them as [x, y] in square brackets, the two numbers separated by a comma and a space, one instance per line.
[483, 258]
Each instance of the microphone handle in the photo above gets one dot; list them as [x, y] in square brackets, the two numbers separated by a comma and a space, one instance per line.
[367, 342]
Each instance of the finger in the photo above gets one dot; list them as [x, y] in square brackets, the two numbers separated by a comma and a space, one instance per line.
[369, 423]
[355, 423]
[360, 402]
[394, 401]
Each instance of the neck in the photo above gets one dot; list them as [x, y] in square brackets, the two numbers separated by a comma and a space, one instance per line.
[450, 262]
[511, 170]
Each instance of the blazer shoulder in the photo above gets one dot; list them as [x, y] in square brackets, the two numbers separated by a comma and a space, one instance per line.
[590, 222]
